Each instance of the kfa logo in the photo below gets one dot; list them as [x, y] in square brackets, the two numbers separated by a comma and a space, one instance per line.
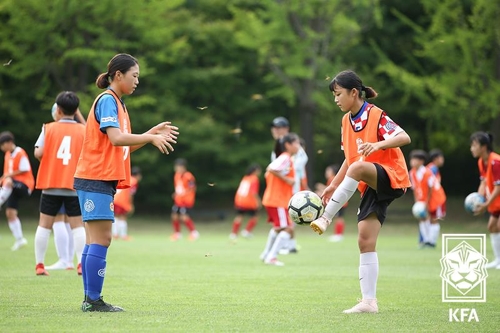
[463, 273]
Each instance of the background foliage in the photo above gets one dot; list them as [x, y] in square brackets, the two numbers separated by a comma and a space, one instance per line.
[435, 64]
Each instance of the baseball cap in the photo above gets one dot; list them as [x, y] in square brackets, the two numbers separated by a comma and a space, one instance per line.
[280, 122]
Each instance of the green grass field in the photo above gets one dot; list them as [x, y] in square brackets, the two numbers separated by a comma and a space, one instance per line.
[212, 285]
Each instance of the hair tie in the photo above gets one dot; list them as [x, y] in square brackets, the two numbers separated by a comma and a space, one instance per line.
[363, 88]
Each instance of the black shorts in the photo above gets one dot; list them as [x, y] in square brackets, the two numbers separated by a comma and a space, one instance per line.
[19, 191]
[246, 211]
[51, 205]
[377, 201]
[180, 210]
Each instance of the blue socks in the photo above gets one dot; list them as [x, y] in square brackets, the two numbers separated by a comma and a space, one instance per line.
[84, 270]
[94, 269]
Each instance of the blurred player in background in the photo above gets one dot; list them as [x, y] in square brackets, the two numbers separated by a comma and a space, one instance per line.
[17, 182]
[124, 205]
[58, 148]
[279, 128]
[280, 177]
[427, 189]
[184, 198]
[63, 236]
[247, 201]
[338, 230]
[488, 162]
[375, 165]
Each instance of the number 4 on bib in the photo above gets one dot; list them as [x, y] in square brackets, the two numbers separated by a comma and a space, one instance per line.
[64, 151]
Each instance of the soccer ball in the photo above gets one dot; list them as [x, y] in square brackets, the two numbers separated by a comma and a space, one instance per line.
[472, 200]
[305, 207]
[419, 210]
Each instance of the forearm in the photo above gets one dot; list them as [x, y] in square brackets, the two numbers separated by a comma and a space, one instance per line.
[135, 147]
[118, 138]
[13, 174]
[401, 139]
[339, 177]
[494, 195]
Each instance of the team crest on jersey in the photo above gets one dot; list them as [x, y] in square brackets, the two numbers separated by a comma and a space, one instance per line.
[390, 126]
[88, 205]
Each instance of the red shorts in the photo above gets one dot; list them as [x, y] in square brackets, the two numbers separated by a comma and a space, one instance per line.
[119, 210]
[439, 213]
[278, 216]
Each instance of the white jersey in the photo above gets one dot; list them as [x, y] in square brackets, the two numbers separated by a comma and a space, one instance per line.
[299, 164]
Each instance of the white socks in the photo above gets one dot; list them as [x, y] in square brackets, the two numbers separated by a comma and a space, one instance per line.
[270, 241]
[434, 229]
[122, 228]
[71, 244]
[368, 274]
[424, 227]
[41, 243]
[78, 235]
[495, 244]
[15, 227]
[341, 195]
[282, 239]
[61, 239]
[5, 193]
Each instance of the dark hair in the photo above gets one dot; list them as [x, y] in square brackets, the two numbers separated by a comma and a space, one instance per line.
[280, 122]
[334, 167]
[181, 162]
[435, 153]
[484, 139]
[418, 154]
[350, 80]
[135, 171]
[121, 62]
[252, 168]
[6, 136]
[68, 101]
[279, 147]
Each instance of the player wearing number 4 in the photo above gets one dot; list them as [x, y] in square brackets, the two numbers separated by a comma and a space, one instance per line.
[104, 166]
[58, 149]
[374, 165]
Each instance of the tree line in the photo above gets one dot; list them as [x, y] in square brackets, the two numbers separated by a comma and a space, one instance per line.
[222, 70]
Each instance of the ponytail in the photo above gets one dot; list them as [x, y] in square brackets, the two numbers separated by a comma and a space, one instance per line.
[102, 81]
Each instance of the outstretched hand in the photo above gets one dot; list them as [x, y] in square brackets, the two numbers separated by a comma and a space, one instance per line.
[165, 135]
[166, 128]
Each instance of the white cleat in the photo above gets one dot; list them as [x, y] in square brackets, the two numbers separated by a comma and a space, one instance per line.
[59, 265]
[364, 306]
[274, 262]
[336, 238]
[320, 225]
[494, 264]
[245, 234]
[233, 236]
[19, 244]
[284, 252]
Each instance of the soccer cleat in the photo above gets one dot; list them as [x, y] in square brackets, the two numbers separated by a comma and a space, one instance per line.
[99, 305]
[233, 236]
[19, 244]
[274, 262]
[79, 269]
[246, 234]
[364, 306]
[59, 265]
[492, 264]
[336, 238]
[194, 235]
[175, 236]
[320, 225]
[40, 270]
